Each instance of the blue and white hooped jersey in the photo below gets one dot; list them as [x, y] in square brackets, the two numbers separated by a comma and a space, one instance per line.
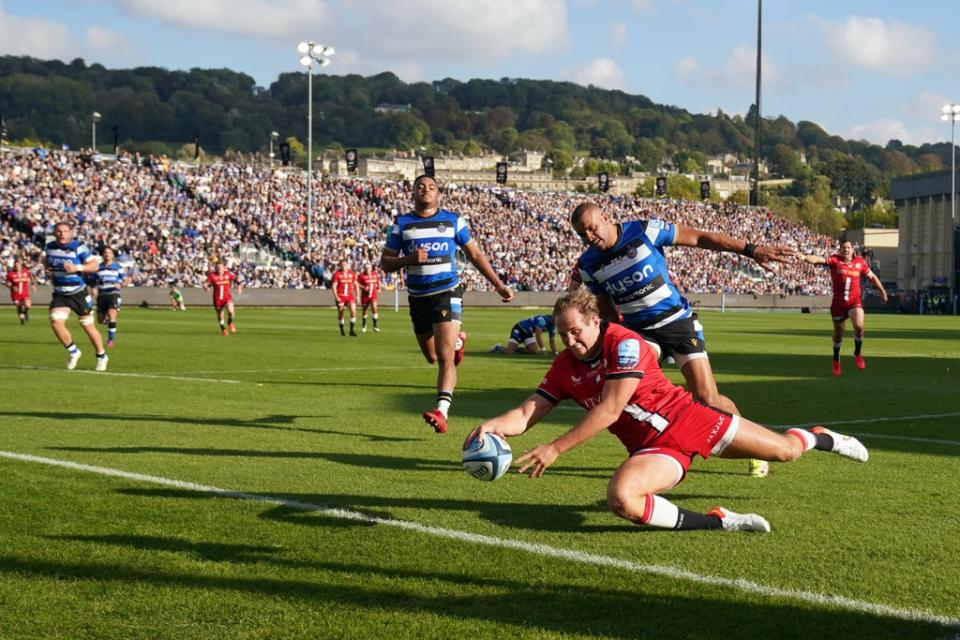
[57, 256]
[441, 234]
[634, 274]
[110, 277]
[544, 323]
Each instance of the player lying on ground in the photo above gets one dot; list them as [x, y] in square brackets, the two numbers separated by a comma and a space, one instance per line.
[612, 373]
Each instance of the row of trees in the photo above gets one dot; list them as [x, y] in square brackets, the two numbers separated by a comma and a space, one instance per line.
[159, 110]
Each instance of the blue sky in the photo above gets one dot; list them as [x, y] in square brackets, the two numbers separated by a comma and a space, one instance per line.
[871, 70]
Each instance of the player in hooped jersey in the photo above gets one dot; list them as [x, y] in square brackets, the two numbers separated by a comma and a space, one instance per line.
[345, 292]
[424, 244]
[19, 280]
[109, 277]
[612, 373]
[529, 333]
[66, 262]
[369, 281]
[220, 280]
[624, 265]
[846, 269]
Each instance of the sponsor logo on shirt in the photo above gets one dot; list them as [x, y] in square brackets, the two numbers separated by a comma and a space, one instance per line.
[628, 354]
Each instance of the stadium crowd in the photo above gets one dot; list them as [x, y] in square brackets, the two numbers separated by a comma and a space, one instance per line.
[167, 222]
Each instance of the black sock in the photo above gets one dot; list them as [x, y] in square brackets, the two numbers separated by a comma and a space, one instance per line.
[229, 318]
[857, 345]
[690, 520]
[836, 351]
[364, 322]
[824, 442]
[342, 332]
[374, 322]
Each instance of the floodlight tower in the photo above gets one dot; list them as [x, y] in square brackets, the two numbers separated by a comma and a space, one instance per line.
[311, 52]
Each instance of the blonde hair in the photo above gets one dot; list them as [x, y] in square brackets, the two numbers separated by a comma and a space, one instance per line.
[581, 300]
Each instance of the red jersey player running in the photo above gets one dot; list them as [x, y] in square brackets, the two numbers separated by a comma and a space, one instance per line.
[345, 294]
[220, 280]
[612, 373]
[369, 282]
[845, 272]
[20, 281]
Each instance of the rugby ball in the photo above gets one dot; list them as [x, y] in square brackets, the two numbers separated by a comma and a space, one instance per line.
[488, 459]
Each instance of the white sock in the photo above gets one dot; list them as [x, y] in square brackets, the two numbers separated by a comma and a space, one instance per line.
[660, 512]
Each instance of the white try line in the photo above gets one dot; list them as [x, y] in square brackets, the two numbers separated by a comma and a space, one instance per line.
[738, 584]
[130, 375]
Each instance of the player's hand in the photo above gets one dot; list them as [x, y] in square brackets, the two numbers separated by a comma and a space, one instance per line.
[69, 267]
[884, 297]
[538, 459]
[767, 253]
[505, 293]
[419, 256]
[479, 431]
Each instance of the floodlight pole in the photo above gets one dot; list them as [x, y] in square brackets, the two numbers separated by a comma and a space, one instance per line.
[312, 52]
[756, 123]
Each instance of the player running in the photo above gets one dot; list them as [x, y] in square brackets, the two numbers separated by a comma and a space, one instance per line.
[109, 278]
[66, 261]
[20, 281]
[846, 270]
[424, 243]
[625, 267]
[529, 333]
[613, 374]
[220, 281]
[345, 294]
[369, 282]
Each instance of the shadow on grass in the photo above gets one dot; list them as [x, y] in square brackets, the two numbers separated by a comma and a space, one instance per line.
[564, 518]
[531, 606]
[271, 422]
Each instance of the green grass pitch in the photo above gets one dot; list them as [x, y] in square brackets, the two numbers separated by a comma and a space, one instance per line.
[288, 410]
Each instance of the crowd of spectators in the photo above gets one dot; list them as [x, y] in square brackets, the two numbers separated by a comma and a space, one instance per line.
[168, 222]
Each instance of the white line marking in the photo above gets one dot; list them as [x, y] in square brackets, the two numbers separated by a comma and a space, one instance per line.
[737, 584]
[922, 416]
[884, 437]
[926, 416]
[308, 369]
[131, 375]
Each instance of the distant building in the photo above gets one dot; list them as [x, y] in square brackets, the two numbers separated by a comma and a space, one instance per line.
[926, 253]
[385, 107]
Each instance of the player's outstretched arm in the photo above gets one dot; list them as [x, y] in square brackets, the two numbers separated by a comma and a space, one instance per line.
[516, 421]
[479, 260]
[762, 254]
[811, 259]
[875, 281]
[614, 397]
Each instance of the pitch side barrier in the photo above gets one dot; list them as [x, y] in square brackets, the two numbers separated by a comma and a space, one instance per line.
[159, 298]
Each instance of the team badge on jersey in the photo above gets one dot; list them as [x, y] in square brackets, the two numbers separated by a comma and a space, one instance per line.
[441, 228]
[628, 354]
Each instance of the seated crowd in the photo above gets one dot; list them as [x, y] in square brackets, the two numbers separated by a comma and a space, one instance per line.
[167, 221]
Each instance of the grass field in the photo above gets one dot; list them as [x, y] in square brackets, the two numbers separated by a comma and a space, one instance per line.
[344, 516]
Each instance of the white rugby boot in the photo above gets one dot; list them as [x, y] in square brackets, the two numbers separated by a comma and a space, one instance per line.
[740, 521]
[846, 446]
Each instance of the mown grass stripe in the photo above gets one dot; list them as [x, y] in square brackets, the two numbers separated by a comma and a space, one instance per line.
[738, 584]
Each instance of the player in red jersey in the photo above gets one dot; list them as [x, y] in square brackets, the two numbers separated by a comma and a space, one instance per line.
[846, 270]
[19, 280]
[369, 282]
[220, 280]
[345, 294]
[612, 373]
